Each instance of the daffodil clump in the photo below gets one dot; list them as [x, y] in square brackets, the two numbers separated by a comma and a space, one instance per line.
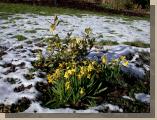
[73, 79]
[73, 82]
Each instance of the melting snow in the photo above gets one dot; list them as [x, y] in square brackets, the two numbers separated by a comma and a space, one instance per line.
[110, 28]
[143, 97]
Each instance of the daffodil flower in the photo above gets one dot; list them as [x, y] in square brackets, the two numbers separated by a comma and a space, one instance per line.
[89, 76]
[90, 68]
[122, 58]
[66, 75]
[104, 59]
[79, 76]
[67, 85]
[49, 78]
[60, 65]
[94, 62]
[78, 40]
[81, 91]
[125, 63]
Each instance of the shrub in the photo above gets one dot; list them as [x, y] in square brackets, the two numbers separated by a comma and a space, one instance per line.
[129, 5]
[143, 3]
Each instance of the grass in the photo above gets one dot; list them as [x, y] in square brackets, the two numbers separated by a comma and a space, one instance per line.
[107, 42]
[30, 31]
[42, 10]
[16, 18]
[3, 27]
[45, 10]
[137, 44]
[4, 16]
[20, 37]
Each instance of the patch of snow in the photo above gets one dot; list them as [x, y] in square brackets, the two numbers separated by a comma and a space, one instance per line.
[110, 106]
[111, 28]
[133, 70]
[142, 97]
[36, 107]
[127, 97]
[115, 52]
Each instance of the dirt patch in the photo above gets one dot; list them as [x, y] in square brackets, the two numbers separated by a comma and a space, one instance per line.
[22, 88]
[20, 106]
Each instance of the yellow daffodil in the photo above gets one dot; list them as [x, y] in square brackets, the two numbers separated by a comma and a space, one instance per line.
[81, 91]
[60, 65]
[90, 68]
[49, 78]
[57, 72]
[67, 85]
[104, 59]
[70, 72]
[52, 27]
[94, 62]
[66, 75]
[89, 76]
[73, 71]
[125, 63]
[79, 76]
[68, 67]
[78, 40]
[82, 70]
[122, 58]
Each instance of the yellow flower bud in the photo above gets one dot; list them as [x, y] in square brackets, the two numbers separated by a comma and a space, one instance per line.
[104, 59]
[82, 91]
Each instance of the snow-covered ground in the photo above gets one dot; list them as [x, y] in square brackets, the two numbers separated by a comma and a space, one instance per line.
[17, 55]
[105, 28]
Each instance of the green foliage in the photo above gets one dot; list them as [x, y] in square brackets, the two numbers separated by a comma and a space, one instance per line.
[74, 80]
[138, 44]
[107, 42]
[129, 4]
[20, 37]
[30, 31]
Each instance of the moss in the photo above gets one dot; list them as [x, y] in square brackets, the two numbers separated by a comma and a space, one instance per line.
[137, 44]
[20, 37]
[3, 27]
[30, 31]
[4, 16]
[12, 80]
[107, 42]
